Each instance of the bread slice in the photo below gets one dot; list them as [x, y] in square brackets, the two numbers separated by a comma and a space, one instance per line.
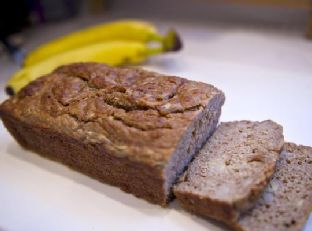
[231, 170]
[287, 201]
[128, 127]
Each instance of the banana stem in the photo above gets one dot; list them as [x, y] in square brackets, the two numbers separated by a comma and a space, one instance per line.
[156, 38]
[154, 51]
[171, 41]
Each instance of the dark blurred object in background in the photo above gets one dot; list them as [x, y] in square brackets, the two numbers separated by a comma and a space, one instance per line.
[53, 10]
[14, 16]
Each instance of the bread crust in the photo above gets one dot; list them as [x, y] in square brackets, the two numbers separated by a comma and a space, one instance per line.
[124, 123]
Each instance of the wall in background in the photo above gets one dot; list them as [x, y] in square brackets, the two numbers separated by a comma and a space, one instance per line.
[205, 10]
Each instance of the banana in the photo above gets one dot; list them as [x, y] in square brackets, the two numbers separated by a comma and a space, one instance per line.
[132, 30]
[114, 53]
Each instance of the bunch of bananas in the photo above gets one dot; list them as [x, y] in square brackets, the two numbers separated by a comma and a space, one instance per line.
[116, 43]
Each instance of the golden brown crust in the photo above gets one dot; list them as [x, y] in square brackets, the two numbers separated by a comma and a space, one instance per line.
[147, 112]
[127, 113]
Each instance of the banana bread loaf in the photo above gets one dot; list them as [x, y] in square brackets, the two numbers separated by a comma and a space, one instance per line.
[286, 203]
[231, 170]
[128, 127]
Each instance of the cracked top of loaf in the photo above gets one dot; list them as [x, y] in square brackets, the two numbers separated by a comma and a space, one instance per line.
[131, 112]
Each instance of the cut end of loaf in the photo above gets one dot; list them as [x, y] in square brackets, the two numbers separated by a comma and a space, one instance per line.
[195, 136]
[231, 170]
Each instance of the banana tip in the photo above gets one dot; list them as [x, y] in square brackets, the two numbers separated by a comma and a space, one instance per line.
[9, 90]
[172, 41]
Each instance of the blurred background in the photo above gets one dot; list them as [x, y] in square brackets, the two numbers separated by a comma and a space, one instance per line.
[25, 24]
[273, 34]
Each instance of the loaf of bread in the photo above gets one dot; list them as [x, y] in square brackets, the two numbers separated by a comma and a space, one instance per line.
[231, 170]
[286, 203]
[124, 126]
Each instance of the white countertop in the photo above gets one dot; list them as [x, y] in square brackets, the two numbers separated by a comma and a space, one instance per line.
[264, 74]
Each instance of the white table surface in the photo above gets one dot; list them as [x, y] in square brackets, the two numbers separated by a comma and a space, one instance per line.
[264, 76]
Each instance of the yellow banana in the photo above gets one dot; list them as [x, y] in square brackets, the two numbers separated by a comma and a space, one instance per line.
[113, 53]
[132, 30]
